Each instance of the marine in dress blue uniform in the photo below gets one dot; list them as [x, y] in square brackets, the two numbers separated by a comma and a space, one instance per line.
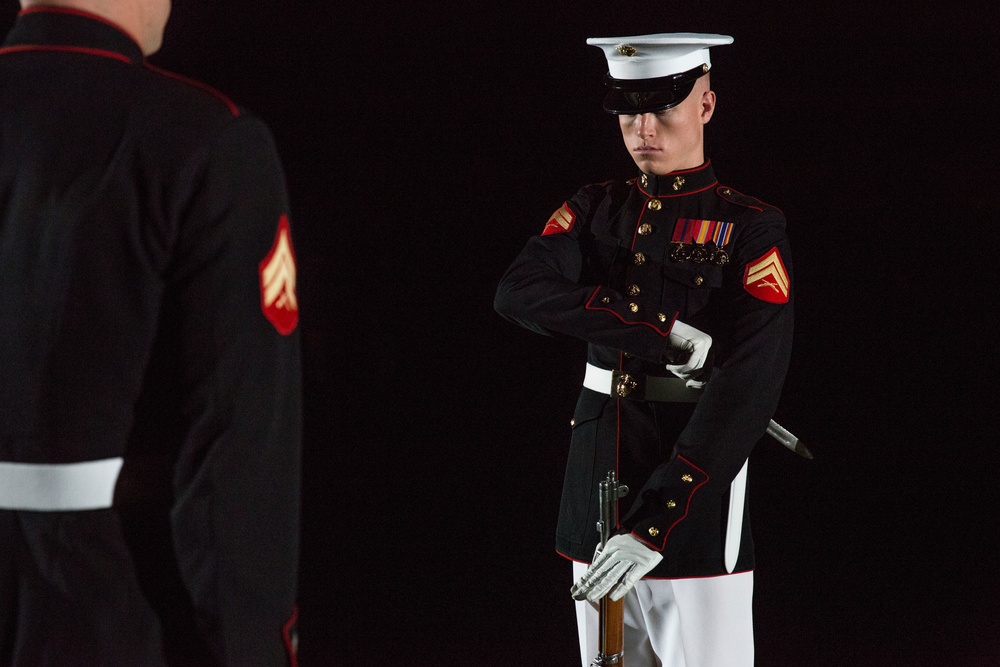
[620, 265]
[150, 314]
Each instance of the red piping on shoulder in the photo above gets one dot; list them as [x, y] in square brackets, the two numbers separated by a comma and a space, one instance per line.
[721, 191]
[25, 48]
[233, 109]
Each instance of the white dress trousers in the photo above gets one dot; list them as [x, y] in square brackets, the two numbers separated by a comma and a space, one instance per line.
[698, 622]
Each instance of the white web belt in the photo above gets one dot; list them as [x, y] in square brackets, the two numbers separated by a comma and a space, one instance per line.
[58, 487]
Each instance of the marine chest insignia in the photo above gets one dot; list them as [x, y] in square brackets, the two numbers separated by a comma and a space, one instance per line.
[767, 279]
[700, 241]
[561, 221]
[277, 281]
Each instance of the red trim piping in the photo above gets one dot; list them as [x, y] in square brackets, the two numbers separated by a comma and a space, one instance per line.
[700, 576]
[286, 634]
[680, 194]
[734, 191]
[26, 48]
[590, 301]
[618, 439]
[691, 576]
[233, 109]
[48, 9]
[687, 509]
[638, 223]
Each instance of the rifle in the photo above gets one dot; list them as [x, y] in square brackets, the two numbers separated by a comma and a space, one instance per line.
[611, 619]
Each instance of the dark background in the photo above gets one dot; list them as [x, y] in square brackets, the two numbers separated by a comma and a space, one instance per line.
[424, 144]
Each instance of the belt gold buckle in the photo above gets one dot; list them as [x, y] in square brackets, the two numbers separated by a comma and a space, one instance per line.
[623, 385]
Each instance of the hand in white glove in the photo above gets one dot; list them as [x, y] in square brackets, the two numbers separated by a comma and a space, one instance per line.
[624, 561]
[697, 343]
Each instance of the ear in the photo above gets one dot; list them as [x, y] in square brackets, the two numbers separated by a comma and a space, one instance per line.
[707, 107]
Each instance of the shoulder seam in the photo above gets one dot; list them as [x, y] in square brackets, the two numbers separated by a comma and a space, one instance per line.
[726, 192]
[194, 83]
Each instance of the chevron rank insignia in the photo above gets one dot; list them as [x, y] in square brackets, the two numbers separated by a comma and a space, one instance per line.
[561, 221]
[767, 278]
[277, 282]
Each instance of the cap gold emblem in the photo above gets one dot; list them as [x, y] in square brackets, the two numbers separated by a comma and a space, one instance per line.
[626, 50]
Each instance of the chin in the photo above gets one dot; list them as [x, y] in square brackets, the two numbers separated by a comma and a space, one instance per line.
[649, 166]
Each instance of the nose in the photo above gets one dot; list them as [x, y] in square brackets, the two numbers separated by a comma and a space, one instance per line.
[645, 125]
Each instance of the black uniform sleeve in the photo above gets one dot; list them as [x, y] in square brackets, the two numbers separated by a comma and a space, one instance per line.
[548, 290]
[237, 482]
[752, 339]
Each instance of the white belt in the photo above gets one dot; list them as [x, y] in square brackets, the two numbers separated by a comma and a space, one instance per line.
[58, 487]
[675, 390]
[639, 387]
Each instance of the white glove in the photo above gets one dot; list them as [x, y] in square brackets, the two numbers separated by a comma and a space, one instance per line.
[624, 561]
[698, 343]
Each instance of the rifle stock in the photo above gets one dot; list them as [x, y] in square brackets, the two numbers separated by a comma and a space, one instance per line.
[612, 640]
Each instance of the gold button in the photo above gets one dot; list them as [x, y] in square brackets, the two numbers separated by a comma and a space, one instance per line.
[572, 422]
[705, 68]
[653, 531]
[661, 317]
[678, 183]
[645, 229]
[687, 478]
[644, 180]
[727, 191]
[639, 259]
[605, 299]
[671, 504]
[634, 307]
[698, 280]
[654, 205]
[633, 290]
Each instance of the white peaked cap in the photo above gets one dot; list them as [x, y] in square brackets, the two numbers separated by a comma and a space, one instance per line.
[659, 55]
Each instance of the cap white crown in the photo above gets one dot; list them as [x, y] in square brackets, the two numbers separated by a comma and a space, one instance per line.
[653, 56]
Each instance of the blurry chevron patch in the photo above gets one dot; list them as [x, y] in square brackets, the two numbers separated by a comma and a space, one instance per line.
[277, 281]
[561, 221]
[767, 279]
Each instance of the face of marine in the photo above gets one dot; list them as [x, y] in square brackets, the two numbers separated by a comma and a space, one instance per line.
[671, 139]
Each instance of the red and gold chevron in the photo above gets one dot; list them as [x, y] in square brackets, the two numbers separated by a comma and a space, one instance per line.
[767, 278]
[561, 221]
[277, 281]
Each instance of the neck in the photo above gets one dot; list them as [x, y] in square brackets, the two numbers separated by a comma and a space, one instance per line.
[125, 15]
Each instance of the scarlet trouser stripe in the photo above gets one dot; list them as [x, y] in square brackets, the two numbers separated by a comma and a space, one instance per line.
[58, 487]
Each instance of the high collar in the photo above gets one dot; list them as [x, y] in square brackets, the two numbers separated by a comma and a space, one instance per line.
[678, 183]
[60, 28]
